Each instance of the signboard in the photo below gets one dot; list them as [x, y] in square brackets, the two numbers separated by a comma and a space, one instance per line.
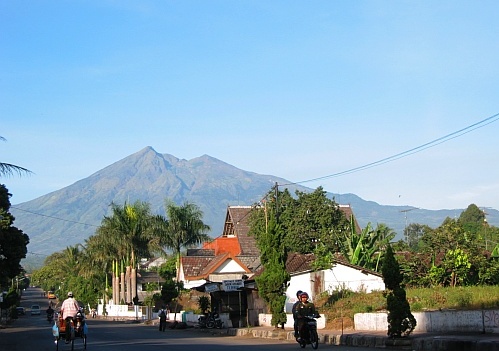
[232, 285]
[211, 287]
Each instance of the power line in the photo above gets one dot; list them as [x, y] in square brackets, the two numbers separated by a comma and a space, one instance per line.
[409, 152]
[60, 219]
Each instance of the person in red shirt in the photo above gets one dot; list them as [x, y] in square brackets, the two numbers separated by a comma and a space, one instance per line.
[69, 308]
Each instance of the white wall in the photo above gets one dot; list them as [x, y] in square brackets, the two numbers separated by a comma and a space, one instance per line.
[265, 319]
[354, 279]
[437, 321]
[336, 278]
[230, 266]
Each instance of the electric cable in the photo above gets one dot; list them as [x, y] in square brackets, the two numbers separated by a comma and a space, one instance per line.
[409, 152]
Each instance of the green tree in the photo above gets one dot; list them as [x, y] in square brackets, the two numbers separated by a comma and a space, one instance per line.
[365, 249]
[473, 221]
[413, 234]
[182, 228]
[272, 283]
[309, 220]
[13, 242]
[170, 289]
[401, 322]
[123, 238]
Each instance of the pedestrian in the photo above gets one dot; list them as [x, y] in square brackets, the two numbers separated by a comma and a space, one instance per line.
[162, 319]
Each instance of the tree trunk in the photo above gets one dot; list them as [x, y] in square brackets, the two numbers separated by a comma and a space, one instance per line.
[122, 287]
[128, 285]
[134, 283]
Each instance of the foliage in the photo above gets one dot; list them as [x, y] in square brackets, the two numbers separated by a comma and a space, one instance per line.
[204, 303]
[13, 242]
[365, 249]
[340, 306]
[308, 220]
[183, 228]
[170, 290]
[10, 299]
[273, 281]
[400, 319]
[7, 169]
[413, 234]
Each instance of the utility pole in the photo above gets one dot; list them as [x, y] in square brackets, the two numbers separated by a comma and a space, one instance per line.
[405, 215]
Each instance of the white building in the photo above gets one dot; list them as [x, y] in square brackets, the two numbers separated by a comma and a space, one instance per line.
[341, 276]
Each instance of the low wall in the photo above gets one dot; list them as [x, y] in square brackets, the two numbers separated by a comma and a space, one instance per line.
[481, 321]
[265, 319]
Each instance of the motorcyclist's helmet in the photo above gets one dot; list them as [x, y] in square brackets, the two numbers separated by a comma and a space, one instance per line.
[298, 293]
[70, 294]
[304, 294]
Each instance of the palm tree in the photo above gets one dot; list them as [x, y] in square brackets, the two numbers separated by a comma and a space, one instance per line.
[123, 237]
[7, 169]
[184, 229]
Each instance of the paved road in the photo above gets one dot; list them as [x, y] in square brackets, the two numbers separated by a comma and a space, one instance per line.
[33, 333]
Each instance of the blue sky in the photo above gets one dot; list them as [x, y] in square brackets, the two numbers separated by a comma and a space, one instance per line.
[295, 89]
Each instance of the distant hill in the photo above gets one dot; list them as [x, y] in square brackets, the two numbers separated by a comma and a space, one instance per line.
[70, 215]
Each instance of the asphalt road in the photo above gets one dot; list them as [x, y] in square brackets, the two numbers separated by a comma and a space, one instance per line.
[34, 333]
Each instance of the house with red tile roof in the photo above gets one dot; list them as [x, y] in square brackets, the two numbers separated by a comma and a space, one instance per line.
[234, 257]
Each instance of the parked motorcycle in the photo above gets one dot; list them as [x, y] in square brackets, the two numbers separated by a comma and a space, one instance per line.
[309, 336]
[210, 320]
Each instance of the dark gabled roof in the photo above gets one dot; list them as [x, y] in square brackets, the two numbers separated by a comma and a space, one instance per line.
[193, 266]
[237, 224]
[298, 263]
[200, 252]
[148, 277]
[252, 262]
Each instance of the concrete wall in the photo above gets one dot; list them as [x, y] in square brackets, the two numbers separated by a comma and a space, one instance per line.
[265, 319]
[437, 321]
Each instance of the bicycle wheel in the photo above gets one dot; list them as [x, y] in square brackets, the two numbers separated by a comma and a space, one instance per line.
[314, 339]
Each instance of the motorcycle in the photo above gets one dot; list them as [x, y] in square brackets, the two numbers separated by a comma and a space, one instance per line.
[210, 320]
[50, 317]
[309, 336]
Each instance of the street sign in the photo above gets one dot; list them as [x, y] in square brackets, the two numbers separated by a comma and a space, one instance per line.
[211, 287]
[232, 285]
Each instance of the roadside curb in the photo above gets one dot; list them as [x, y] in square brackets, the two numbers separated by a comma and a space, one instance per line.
[414, 343]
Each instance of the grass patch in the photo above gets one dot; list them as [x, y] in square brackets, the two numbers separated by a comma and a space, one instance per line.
[340, 308]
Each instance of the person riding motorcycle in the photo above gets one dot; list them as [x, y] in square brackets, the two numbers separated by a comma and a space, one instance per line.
[303, 309]
[293, 311]
[50, 313]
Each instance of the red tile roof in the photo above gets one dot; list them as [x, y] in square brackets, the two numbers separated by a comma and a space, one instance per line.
[236, 244]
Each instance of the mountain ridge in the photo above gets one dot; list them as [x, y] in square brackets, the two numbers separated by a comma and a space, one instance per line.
[70, 215]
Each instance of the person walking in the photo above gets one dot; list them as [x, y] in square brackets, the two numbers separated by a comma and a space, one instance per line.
[69, 309]
[162, 319]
